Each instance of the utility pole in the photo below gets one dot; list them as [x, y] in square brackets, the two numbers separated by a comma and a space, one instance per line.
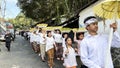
[2, 8]
[2, 13]
[0, 20]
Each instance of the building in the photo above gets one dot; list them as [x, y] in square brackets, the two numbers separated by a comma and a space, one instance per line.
[4, 26]
[2, 29]
[88, 11]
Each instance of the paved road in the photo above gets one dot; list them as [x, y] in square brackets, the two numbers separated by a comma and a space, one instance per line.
[22, 56]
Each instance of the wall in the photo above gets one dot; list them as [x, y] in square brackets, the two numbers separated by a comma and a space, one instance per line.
[89, 12]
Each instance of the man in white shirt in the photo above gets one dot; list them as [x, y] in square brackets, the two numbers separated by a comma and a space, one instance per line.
[43, 44]
[93, 46]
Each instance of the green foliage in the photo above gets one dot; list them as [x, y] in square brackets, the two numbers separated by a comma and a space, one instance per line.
[21, 22]
[41, 10]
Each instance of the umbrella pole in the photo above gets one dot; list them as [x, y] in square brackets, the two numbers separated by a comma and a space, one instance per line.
[110, 38]
[108, 49]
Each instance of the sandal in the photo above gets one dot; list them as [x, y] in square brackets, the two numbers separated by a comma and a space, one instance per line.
[58, 58]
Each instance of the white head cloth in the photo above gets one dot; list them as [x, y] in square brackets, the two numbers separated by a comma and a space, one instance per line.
[92, 20]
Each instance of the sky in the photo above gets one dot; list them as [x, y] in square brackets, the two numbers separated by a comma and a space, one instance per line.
[12, 10]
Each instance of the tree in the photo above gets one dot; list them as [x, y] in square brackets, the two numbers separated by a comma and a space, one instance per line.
[41, 10]
[22, 22]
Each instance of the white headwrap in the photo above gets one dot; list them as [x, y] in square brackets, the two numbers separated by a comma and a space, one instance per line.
[92, 20]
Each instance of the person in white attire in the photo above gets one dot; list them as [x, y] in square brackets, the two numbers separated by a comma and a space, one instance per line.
[69, 55]
[43, 44]
[58, 41]
[50, 44]
[31, 34]
[38, 42]
[93, 46]
[78, 38]
[31, 37]
[65, 35]
[35, 41]
[39, 38]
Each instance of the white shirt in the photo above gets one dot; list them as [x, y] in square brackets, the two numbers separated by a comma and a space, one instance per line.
[42, 39]
[31, 37]
[38, 38]
[49, 43]
[35, 37]
[58, 38]
[63, 43]
[70, 59]
[93, 50]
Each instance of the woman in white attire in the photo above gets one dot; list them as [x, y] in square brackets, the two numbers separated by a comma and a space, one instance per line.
[69, 54]
[65, 35]
[35, 40]
[50, 44]
[58, 41]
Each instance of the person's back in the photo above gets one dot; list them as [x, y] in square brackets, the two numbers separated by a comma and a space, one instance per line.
[8, 37]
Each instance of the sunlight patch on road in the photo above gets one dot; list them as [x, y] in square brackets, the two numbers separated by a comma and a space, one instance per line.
[15, 66]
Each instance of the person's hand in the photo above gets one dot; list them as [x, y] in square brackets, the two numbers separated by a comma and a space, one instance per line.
[67, 51]
[75, 32]
[56, 48]
[76, 50]
[114, 26]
